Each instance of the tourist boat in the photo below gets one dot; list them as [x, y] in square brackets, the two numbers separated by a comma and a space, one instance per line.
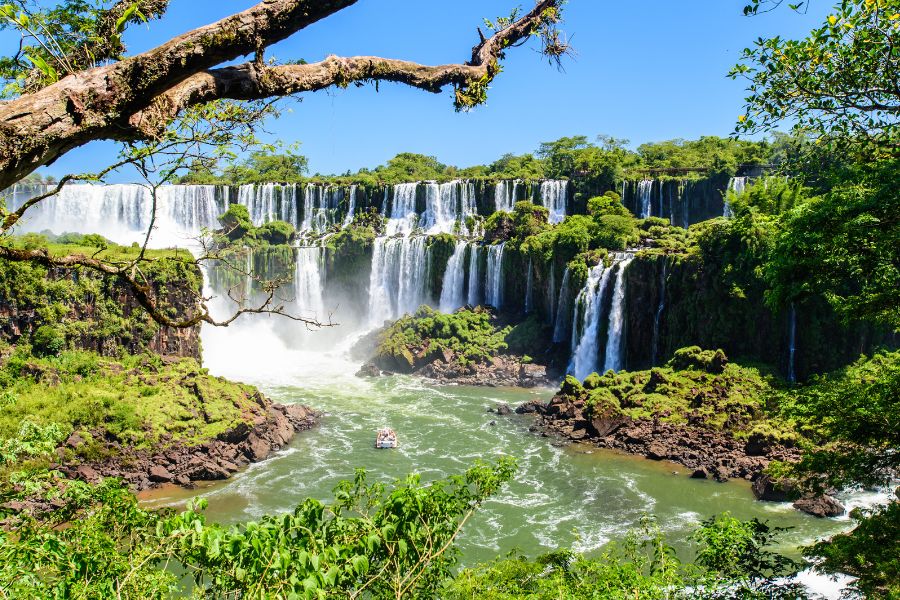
[386, 438]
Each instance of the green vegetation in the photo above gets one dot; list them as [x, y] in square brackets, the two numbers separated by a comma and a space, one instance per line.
[697, 387]
[82, 308]
[418, 339]
[733, 561]
[138, 400]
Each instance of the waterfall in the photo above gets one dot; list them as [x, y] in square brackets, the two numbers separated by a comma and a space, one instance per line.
[562, 308]
[319, 205]
[397, 281]
[529, 288]
[474, 296]
[453, 292]
[645, 187]
[308, 284]
[792, 344]
[658, 315]
[403, 215]
[615, 334]
[351, 207]
[122, 212]
[736, 185]
[685, 204]
[551, 294]
[553, 196]
[586, 345]
[505, 194]
[493, 288]
[447, 205]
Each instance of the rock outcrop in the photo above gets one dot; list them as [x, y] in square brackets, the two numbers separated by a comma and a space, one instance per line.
[265, 432]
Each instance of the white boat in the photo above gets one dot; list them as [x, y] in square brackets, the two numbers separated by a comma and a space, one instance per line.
[386, 438]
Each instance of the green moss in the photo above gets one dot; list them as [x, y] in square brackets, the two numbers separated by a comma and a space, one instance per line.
[738, 399]
[415, 340]
[137, 400]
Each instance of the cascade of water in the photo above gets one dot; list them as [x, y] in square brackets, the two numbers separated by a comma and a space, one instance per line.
[585, 341]
[453, 292]
[792, 344]
[551, 295]
[351, 207]
[645, 187]
[308, 283]
[529, 288]
[615, 334]
[319, 204]
[736, 185]
[684, 190]
[447, 206]
[397, 281]
[474, 296]
[493, 288]
[554, 194]
[656, 317]
[190, 208]
[562, 308]
[403, 215]
[505, 194]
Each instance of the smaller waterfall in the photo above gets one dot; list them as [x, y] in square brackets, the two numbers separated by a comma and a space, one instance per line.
[453, 292]
[397, 280]
[351, 206]
[562, 309]
[309, 284]
[447, 206]
[736, 185]
[505, 194]
[403, 215]
[493, 288]
[529, 288]
[585, 340]
[659, 311]
[474, 296]
[551, 295]
[792, 345]
[645, 188]
[554, 195]
[615, 337]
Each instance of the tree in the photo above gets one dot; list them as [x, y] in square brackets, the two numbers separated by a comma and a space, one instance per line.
[840, 83]
[86, 89]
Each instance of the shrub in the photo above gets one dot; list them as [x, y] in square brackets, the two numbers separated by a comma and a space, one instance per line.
[236, 221]
[276, 233]
[48, 340]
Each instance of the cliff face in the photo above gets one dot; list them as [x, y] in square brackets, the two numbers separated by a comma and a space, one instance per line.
[98, 312]
[678, 301]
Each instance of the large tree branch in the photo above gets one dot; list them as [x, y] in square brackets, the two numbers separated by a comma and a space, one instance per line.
[137, 97]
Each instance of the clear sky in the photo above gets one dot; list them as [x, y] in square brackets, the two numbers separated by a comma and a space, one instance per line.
[645, 70]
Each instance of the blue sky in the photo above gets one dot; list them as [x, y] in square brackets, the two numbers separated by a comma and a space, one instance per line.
[644, 71]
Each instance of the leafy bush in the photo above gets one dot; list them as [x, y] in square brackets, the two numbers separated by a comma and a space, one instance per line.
[236, 221]
[275, 233]
[48, 340]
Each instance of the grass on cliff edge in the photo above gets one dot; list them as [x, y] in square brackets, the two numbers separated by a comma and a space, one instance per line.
[139, 400]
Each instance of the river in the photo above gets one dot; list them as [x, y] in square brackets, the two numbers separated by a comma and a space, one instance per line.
[563, 496]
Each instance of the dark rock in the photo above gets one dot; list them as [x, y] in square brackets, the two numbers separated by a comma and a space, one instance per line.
[369, 370]
[766, 488]
[820, 506]
[87, 473]
[74, 441]
[503, 410]
[699, 474]
[657, 451]
[160, 474]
